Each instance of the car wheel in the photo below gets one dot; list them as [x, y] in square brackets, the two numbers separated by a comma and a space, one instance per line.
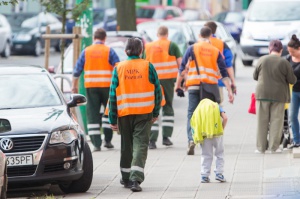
[6, 51]
[37, 48]
[84, 182]
[4, 187]
[247, 62]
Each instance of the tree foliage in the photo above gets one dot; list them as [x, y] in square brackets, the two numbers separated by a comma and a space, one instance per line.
[13, 2]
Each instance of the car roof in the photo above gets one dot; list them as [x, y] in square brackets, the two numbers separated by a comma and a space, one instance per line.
[21, 69]
[201, 23]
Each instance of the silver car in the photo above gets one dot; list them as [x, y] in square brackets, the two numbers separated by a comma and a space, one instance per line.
[5, 37]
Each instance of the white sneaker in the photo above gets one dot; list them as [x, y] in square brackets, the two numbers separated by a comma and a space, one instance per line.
[277, 151]
[258, 152]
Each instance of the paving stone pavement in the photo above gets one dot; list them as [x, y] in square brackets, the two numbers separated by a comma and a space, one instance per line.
[170, 173]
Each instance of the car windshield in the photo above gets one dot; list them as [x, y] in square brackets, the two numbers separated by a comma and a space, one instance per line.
[18, 19]
[157, 13]
[27, 91]
[98, 16]
[279, 11]
[220, 33]
[30, 23]
[234, 17]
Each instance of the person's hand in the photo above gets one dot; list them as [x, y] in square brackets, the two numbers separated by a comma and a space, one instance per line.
[233, 88]
[180, 92]
[74, 90]
[154, 119]
[230, 97]
[114, 127]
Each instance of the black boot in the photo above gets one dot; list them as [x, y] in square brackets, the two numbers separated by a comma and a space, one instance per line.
[152, 145]
[108, 145]
[135, 186]
[126, 183]
[167, 141]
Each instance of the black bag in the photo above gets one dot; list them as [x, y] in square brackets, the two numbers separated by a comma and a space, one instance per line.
[210, 91]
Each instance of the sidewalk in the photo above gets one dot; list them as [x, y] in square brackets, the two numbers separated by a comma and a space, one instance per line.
[170, 173]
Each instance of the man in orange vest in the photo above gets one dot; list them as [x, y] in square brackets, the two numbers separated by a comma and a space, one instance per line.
[134, 102]
[227, 55]
[97, 61]
[205, 62]
[166, 58]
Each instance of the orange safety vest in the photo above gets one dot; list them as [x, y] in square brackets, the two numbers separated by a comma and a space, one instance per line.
[97, 69]
[218, 43]
[135, 93]
[157, 53]
[207, 57]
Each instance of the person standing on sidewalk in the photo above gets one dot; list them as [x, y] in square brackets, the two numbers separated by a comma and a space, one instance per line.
[97, 61]
[271, 72]
[134, 103]
[227, 55]
[166, 58]
[294, 59]
[210, 62]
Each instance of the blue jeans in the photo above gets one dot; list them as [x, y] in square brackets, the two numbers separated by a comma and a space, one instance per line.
[194, 99]
[294, 111]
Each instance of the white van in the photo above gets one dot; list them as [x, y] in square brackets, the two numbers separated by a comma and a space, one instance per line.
[267, 20]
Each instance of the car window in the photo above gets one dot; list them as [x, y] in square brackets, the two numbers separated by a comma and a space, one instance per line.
[150, 13]
[220, 17]
[171, 12]
[27, 91]
[98, 16]
[280, 11]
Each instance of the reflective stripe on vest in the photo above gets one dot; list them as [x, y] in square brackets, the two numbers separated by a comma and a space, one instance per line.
[132, 98]
[97, 69]
[158, 54]
[206, 56]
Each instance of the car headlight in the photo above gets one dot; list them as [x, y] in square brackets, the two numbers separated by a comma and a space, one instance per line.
[23, 37]
[247, 35]
[66, 137]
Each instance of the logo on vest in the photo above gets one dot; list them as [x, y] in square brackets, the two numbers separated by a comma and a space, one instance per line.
[133, 74]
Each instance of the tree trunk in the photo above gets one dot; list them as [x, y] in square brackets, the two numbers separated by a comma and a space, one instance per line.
[126, 14]
[63, 41]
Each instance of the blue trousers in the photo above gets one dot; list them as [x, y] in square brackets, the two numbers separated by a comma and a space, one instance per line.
[294, 111]
[194, 99]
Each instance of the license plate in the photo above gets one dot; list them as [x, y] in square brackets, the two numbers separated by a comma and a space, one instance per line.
[18, 46]
[19, 160]
[263, 51]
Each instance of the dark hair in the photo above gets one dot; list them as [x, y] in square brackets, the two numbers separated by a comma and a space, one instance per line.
[205, 32]
[100, 34]
[134, 46]
[275, 45]
[212, 25]
[294, 42]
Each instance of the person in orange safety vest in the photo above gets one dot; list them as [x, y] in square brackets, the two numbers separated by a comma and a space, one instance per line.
[166, 58]
[210, 63]
[97, 61]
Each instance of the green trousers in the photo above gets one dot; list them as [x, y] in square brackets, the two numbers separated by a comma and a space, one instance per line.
[95, 98]
[167, 111]
[135, 131]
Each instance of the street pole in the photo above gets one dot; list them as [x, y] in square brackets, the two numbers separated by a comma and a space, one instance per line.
[170, 2]
[85, 21]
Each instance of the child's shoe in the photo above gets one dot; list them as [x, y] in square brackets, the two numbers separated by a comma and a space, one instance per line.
[205, 179]
[220, 177]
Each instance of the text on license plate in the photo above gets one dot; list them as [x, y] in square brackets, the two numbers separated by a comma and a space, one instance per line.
[263, 50]
[19, 160]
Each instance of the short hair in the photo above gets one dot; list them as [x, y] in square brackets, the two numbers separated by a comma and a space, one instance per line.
[162, 31]
[212, 25]
[100, 33]
[275, 45]
[134, 46]
[205, 32]
[294, 42]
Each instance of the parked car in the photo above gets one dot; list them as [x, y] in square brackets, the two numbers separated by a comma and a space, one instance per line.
[264, 23]
[233, 21]
[5, 37]
[196, 14]
[44, 143]
[179, 32]
[105, 18]
[221, 33]
[3, 168]
[153, 13]
[27, 31]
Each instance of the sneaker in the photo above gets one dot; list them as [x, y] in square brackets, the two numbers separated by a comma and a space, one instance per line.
[258, 152]
[276, 151]
[152, 145]
[294, 145]
[96, 149]
[205, 179]
[167, 141]
[108, 145]
[220, 177]
[191, 148]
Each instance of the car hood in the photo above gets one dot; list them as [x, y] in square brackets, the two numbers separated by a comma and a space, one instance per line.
[36, 120]
[19, 30]
[271, 30]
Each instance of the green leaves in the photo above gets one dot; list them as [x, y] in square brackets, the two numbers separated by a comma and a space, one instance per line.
[13, 2]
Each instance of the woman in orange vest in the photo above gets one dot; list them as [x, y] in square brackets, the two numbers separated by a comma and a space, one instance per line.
[134, 102]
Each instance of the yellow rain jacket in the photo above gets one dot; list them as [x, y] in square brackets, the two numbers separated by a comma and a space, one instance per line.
[206, 121]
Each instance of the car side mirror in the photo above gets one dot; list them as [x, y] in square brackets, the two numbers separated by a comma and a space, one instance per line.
[77, 100]
[51, 69]
[169, 17]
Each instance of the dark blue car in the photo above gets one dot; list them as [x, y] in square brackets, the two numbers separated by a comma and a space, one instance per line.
[105, 18]
[233, 21]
